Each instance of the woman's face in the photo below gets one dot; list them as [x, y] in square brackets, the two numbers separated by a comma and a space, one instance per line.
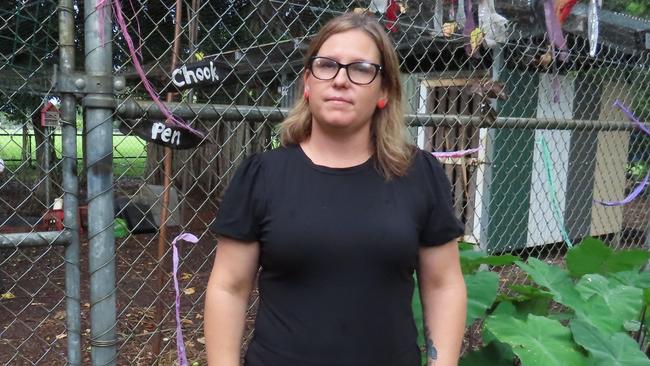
[339, 103]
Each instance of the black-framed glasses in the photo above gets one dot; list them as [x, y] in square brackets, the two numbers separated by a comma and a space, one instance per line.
[360, 72]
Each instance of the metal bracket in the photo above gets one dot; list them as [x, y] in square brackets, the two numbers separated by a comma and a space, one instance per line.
[100, 101]
[81, 84]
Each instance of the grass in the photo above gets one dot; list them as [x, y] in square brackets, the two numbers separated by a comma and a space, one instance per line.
[129, 153]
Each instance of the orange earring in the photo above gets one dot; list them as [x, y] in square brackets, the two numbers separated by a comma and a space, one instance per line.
[381, 103]
[306, 94]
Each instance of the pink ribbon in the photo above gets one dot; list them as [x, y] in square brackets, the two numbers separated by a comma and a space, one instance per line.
[634, 194]
[180, 345]
[173, 120]
[631, 116]
[455, 154]
[101, 14]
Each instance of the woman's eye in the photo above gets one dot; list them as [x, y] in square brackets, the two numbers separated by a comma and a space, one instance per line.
[363, 68]
[327, 65]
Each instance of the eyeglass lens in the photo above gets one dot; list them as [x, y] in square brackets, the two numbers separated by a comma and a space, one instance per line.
[358, 72]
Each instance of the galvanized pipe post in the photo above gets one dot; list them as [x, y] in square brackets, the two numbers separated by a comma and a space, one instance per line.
[100, 103]
[259, 114]
[70, 185]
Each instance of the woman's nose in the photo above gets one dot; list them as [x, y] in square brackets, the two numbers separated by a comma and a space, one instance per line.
[341, 78]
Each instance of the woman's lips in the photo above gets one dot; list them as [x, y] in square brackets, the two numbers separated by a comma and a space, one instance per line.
[338, 100]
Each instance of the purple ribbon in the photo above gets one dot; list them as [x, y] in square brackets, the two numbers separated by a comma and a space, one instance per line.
[469, 25]
[554, 30]
[180, 345]
[455, 154]
[631, 116]
[634, 194]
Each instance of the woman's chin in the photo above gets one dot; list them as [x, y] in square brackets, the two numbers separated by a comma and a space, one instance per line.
[342, 124]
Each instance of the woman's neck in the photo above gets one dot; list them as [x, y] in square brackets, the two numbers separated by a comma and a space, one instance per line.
[338, 150]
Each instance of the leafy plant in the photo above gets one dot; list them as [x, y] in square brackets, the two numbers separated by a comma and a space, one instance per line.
[604, 297]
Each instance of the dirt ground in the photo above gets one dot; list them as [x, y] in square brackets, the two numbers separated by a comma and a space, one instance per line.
[32, 318]
[32, 311]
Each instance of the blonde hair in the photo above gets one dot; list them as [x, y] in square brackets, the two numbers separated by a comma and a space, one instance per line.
[392, 150]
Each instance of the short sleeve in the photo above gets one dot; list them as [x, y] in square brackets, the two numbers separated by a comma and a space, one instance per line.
[240, 210]
[442, 225]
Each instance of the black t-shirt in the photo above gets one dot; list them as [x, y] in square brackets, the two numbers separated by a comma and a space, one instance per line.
[338, 247]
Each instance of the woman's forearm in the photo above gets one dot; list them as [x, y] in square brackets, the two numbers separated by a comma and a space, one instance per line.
[444, 315]
[225, 315]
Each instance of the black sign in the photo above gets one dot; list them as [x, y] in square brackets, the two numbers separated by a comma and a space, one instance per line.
[206, 72]
[175, 137]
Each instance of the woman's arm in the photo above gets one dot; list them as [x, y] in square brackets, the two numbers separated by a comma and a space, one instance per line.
[231, 281]
[444, 301]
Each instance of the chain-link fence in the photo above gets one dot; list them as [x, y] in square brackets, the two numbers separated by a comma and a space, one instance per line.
[549, 145]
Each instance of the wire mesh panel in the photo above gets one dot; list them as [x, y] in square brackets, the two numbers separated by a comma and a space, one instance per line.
[32, 304]
[551, 150]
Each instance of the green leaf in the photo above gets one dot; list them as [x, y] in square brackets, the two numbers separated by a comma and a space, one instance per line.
[418, 316]
[627, 260]
[499, 260]
[468, 260]
[465, 246]
[555, 279]
[505, 308]
[632, 278]
[632, 326]
[537, 340]
[608, 350]
[481, 292]
[494, 354]
[592, 284]
[471, 260]
[536, 306]
[608, 305]
[587, 257]
[531, 292]
[594, 256]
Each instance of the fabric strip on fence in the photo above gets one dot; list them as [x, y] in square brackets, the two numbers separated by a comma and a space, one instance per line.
[180, 345]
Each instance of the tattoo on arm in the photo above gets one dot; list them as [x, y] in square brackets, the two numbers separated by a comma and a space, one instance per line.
[432, 353]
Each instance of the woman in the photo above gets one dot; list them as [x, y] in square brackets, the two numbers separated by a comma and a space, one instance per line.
[338, 219]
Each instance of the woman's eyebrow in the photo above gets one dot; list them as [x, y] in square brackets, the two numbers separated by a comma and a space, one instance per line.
[355, 59]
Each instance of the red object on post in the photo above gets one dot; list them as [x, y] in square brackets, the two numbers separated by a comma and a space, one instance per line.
[49, 115]
[392, 12]
[53, 220]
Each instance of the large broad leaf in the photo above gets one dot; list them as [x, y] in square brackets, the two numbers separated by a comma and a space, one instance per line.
[555, 279]
[537, 340]
[531, 292]
[465, 246]
[592, 284]
[626, 260]
[536, 306]
[608, 350]
[529, 300]
[594, 256]
[418, 317]
[632, 278]
[494, 354]
[470, 261]
[482, 289]
[608, 305]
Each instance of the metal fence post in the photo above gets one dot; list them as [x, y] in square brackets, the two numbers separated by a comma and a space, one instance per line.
[99, 105]
[70, 185]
